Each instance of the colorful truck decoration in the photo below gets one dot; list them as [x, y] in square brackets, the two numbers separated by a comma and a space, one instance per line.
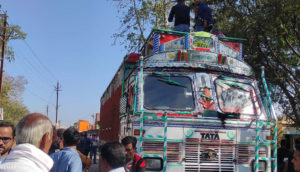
[193, 104]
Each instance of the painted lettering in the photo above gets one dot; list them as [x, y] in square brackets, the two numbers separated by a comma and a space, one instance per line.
[210, 136]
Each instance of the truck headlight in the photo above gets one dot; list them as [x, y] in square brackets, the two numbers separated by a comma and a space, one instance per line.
[262, 165]
[154, 164]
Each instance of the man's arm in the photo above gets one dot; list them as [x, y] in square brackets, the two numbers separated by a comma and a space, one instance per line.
[171, 15]
[86, 161]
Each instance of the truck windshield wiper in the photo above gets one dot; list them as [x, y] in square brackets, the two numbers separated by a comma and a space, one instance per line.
[169, 80]
[235, 85]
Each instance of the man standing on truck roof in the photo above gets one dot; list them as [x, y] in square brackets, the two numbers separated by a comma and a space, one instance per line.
[182, 16]
[134, 162]
[203, 16]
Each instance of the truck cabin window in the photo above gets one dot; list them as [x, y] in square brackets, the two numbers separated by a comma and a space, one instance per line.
[168, 93]
[234, 97]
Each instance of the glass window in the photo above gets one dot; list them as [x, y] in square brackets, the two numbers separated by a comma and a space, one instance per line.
[164, 92]
[235, 97]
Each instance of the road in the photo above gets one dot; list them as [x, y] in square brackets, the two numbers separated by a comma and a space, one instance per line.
[95, 167]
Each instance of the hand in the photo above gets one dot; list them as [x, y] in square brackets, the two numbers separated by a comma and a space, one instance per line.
[205, 23]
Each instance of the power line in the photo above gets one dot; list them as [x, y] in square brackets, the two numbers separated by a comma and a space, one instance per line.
[38, 59]
[37, 72]
[36, 95]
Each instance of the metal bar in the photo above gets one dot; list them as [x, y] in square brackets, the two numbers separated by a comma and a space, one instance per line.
[268, 93]
[273, 115]
[165, 142]
[141, 78]
[257, 142]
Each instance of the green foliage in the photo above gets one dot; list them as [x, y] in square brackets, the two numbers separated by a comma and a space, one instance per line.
[13, 32]
[271, 28]
[11, 100]
[137, 18]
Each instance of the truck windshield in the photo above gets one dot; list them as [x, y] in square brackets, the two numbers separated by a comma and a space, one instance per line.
[168, 93]
[235, 97]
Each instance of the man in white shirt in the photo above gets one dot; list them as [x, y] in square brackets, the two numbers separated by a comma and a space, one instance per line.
[34, 137]
[112, 157]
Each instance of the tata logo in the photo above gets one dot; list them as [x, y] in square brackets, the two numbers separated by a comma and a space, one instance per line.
[209, 154]
[210, 136]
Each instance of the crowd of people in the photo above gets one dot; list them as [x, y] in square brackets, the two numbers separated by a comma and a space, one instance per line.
[35, 145]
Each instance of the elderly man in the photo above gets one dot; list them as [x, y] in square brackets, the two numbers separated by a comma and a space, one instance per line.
[112, 157]
[34, 137]
[7, 138]
[67, 159]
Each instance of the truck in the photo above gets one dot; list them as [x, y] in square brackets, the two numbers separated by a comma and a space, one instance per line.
[193, 104]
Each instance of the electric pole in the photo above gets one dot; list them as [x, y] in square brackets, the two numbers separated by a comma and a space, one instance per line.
[2, 53]
[47, 110]
[57, 89]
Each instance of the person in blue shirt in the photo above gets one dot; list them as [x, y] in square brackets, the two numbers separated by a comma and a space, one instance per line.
[203, 19]
[67, 159]
[182, 16]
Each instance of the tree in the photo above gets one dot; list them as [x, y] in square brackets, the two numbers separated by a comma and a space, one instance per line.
[271, 28]
[13, 32]
[138, 17]
[12, 101]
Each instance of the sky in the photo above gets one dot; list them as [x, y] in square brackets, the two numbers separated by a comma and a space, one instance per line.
[69, 41]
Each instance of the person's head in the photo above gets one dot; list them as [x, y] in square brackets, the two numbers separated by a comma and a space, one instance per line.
[7, 137]
[35, 129]
[60, 137]
[112, 156]
[180, 1]
[296, 157]
[71, 137]
[129, 143]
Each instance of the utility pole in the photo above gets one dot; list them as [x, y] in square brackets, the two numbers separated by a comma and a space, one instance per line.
[57, 89]
[47, 110]
[2, 53]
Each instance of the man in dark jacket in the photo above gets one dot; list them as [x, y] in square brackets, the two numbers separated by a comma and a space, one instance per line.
[135, 163]
[203, 19]
[85, 145]
[182, 16]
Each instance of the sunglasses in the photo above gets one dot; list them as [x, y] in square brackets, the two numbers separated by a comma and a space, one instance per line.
[5, 139]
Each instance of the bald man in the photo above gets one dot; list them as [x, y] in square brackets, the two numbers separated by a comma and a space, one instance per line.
[33, 137]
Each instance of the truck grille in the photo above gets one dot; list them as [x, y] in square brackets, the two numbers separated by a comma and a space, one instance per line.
[174, 152]
[227, 154]
[222, 158]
